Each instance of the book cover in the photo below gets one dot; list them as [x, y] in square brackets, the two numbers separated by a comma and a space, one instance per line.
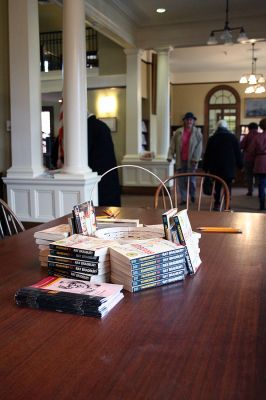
[187, 238]
[84, 214]
[99, 292]
[167, 217]
[143, 248]
[83, 245]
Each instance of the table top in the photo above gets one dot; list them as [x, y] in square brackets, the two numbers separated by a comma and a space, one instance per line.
[203, 338]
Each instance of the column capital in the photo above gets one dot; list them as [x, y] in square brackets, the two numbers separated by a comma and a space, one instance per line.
[163, 50]
[133, 52]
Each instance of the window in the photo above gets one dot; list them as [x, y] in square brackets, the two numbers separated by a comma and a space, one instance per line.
[222, 102]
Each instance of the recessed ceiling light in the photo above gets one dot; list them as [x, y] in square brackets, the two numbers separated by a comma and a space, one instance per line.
[160, 10]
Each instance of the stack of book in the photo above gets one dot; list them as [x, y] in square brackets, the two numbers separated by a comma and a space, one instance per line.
[46, 236]
[147, 263]
[70, 296]
[178, 229]
[104, 222]
[80, 257]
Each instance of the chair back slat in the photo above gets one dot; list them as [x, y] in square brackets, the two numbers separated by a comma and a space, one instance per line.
[202, 201]
[9, 223]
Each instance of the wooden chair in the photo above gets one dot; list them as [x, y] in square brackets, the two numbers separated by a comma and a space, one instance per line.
[9, 223]
[202, 201]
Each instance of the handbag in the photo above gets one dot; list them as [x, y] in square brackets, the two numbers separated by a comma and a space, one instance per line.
[207, 185]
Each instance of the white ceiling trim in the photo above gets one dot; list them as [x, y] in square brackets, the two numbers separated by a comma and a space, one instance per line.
[105, 19]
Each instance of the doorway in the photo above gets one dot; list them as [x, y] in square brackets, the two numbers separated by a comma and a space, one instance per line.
[222, 102]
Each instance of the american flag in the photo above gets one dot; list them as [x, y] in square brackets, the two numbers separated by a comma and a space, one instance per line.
[60, 138]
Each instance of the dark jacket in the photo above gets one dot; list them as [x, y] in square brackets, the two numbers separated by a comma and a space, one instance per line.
[257, 153]
[101, 158]
[222, 155]
[246, 143]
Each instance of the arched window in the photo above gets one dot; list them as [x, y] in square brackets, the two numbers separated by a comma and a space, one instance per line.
[222, 102]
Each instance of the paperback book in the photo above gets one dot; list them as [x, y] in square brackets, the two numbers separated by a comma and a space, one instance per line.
[80, 244]
[70, 296]
[54, 233]
[68, 273]
[98, 270]
[187, 237]
[84, 218]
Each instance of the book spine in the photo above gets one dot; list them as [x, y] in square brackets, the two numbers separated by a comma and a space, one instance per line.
[178, 252]
[160, 275]
[72, 261]
[161, 282]
[156, 259]
[165, 225]
[92, 271]
[71, 250]
[71, 254]
[74, 274]
[77, 225]
[181, 238]
[179, 231]
[158, 266]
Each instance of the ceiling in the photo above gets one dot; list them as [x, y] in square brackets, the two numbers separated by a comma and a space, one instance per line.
[185, 27]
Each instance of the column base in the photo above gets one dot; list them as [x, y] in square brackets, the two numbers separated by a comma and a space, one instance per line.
[136, 175]
[43, 198]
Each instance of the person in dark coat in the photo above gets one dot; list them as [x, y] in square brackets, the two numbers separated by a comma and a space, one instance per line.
[257, 152]
[222, 157]
[101, 158]
[248, 163]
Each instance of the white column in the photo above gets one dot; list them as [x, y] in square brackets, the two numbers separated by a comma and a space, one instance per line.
[32, 194]
[25, 90]
[133, 104]
[163, 103]
[75, 89]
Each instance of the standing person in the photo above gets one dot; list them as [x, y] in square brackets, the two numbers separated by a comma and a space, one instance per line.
[222, 157]
[101, 158]
[186, 147]
[257, 153]
[248, 163]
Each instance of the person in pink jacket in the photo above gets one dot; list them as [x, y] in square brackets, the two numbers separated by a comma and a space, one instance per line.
[257, 153]
[248, 164]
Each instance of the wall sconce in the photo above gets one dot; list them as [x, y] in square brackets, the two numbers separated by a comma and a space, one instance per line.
[107, 105]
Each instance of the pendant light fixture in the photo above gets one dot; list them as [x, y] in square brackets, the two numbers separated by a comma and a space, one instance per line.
[253, 79]
[226, 33]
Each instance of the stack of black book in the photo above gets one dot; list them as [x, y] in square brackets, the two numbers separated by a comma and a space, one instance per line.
[46, 236]
[70, 296]
[80, 257]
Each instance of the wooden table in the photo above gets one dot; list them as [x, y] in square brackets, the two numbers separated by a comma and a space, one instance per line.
[203, 338]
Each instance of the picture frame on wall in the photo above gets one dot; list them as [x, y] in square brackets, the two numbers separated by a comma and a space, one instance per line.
[111, 123]
[255, 107]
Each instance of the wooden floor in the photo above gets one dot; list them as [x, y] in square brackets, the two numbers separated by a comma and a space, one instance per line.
[239, 201]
